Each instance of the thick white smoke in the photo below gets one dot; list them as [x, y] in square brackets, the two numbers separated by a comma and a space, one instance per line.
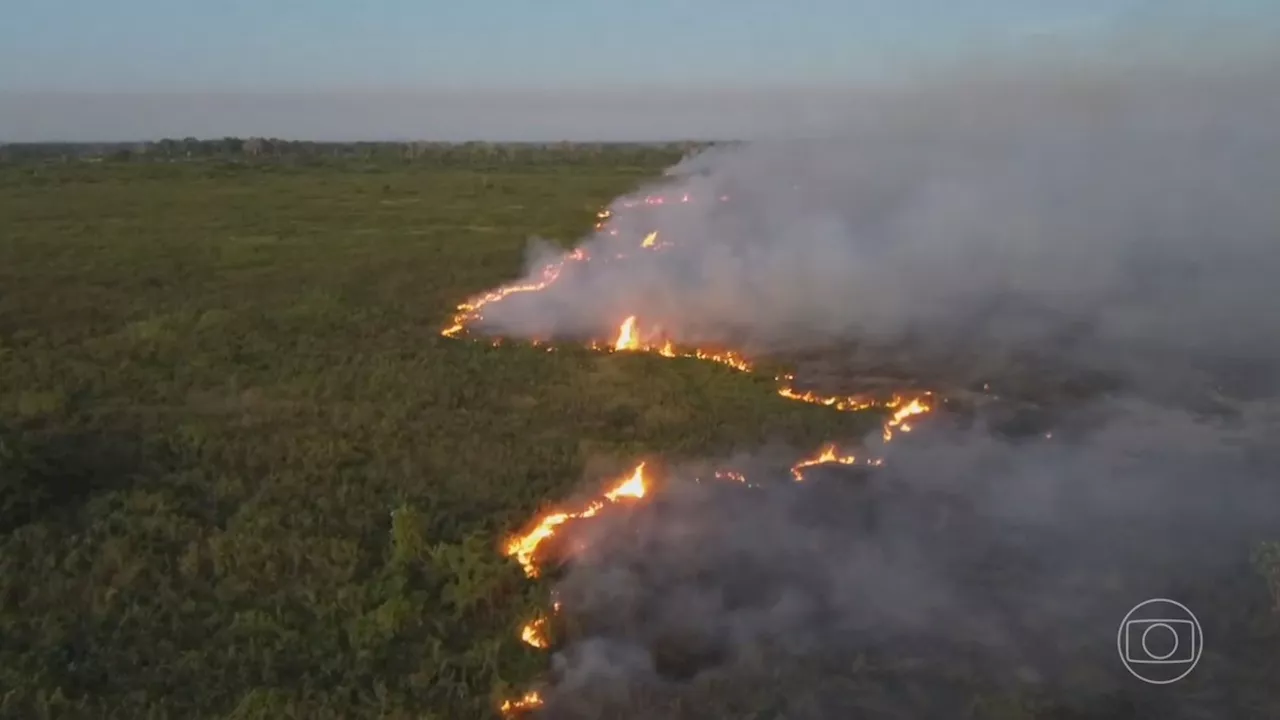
[992, 562]
[1112, 221]
[1127, 223]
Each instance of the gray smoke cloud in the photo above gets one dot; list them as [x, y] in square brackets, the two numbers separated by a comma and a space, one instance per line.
[1012, 226]
[1123, 220]
[993, 562]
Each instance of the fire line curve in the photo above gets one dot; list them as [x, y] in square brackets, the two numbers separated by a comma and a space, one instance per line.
[525, 547]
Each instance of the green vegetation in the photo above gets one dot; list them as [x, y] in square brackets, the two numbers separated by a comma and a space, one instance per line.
[298, 152]
[241, 474]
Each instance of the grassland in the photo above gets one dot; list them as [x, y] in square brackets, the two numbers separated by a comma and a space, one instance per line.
[241, 475]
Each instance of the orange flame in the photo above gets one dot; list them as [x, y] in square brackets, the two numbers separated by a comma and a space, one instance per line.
[902, 408]
[534, 634]
[826, 456]
[524, 547]
[524, 703]
[628, 339]
[731, 475]
[917, 406]
[844, 403]
[633, 487]
[469, 311]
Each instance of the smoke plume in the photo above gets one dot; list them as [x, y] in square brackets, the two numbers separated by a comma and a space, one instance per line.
[989, 562]
[1122, 221]
[1010, 227]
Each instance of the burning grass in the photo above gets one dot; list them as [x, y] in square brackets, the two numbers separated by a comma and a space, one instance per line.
[308, 488]
[317, 506]
[681, 657]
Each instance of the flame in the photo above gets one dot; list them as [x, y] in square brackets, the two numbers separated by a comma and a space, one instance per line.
[731, 475]
[628, 339]
[917, 406]
[662, 200]
[469, 311]
[534, 633]
[826, 456]
[901, 406]
[524, 547]
[632, 487]
[844, 403]
[731, 359]
[524, 703]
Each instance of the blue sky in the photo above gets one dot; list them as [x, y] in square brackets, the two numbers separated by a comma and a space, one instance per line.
[148, 45]
[339, 47]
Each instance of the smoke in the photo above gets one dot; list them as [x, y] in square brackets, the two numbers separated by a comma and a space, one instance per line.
[1011, 226]
[993, 562]
[1119, 219]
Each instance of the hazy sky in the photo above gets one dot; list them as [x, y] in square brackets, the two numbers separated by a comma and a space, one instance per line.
[67, 66]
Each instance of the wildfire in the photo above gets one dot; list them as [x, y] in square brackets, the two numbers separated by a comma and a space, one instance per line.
[663, 200]
[524, 703]
[535, 634]
[651, 200]
[731, 475]
[469, 312]
[826, 456]
[917, 406]
[632, 487]
[844, 403]
[524, 548]
[628, 339]
[901, 406]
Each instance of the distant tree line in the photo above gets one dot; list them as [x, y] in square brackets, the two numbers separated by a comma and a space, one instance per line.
[262, 149]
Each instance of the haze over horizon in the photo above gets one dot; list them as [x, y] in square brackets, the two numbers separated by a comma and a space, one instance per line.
[572, 70]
